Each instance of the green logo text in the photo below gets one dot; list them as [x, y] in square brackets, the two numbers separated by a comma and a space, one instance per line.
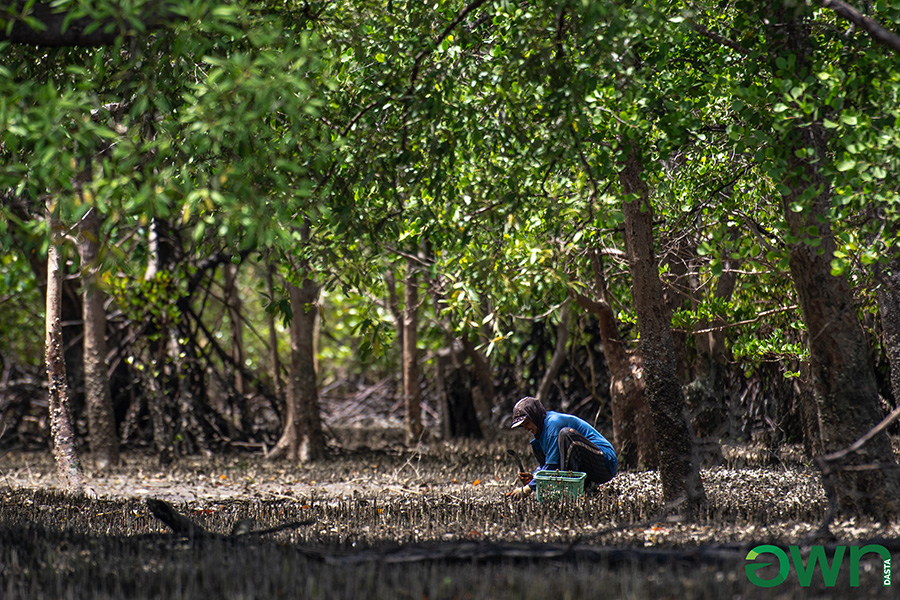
[805, 570]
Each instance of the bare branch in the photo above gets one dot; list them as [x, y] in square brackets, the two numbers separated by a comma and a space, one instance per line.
[827, 465]
[759, 316]
[875, 30]
[719, 39]
[834, 456]
[42, 24]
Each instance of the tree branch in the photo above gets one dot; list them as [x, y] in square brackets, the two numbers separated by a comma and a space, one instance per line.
[417, 64]
[827, 464]
[42, 24]
[719, 39]
[755, 319]
[588, 304]
[875, 30]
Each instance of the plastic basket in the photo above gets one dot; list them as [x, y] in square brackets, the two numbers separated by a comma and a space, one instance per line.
[556, 485]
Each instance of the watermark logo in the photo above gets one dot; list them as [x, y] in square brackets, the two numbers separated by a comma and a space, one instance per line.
[805, 570]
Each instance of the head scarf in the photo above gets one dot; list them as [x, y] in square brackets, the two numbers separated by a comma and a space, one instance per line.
[529, 408]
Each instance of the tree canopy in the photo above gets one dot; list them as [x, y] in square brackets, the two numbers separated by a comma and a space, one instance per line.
[482, 144]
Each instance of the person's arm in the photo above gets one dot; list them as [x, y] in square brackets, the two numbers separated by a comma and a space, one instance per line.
[528, 487]
[548, 464]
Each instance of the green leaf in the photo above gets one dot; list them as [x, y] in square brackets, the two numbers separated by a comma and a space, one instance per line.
[845, 164]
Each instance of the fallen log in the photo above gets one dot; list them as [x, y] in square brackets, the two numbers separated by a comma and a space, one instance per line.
[178, 523]
[486, 551]
[183, 526]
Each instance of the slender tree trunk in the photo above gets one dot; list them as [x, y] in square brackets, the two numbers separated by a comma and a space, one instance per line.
[303, 439]
[678, 465]
[155, 335]
[153, 252]
[443, 365]
[411, 394]
[679, 270]
[68, 468]
[807, 408]
[233, 299]
[633, 436]
[273, 342]
[393, 304]
[559, 354]
[163, 436]
[705, 395]
[101, 420]
[483, 393]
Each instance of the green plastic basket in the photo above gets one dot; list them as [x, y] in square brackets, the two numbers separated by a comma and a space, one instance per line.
[555, 485]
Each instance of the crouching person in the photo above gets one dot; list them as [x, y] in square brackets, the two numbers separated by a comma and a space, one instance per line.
[562, 441]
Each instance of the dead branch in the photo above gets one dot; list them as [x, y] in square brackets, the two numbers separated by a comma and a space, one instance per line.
[829, 464]
[182, 526]
[484, 551]
[178, 523]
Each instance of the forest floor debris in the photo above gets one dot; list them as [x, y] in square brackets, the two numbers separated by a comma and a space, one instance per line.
[444, 496]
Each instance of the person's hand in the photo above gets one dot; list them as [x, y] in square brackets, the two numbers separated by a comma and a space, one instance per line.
[520, 493]
[525, 477]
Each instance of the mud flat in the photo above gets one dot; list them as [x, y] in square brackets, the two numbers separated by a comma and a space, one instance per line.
[387, 521]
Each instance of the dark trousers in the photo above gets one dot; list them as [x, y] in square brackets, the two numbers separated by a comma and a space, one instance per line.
[577, 453]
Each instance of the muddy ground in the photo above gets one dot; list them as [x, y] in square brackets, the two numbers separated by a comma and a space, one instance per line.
[382, 520]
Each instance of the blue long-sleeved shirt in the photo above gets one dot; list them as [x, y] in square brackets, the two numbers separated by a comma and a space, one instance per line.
[548, 441]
